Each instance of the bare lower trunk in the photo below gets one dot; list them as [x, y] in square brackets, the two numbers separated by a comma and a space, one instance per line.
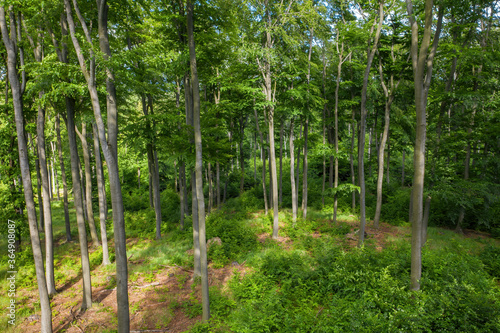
[47, 211]
[41, 224]
[380, 177]
[65, 184]
[88, 185]
[101, 191]
[77, 194]
[210, 192]
[351, 159]
[280, 190]
[217, 184]
[425, 221]
[196, 237]
[304, 179]
[292, 177]
[182, 185]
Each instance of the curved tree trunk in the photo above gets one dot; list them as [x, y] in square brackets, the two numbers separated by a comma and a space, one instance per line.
[109, 148]
[101, 190]
[17, 91]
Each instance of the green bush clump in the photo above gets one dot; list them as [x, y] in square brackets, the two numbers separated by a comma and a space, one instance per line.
[135, 200]
[490, 256]
[364, 290]
[237, 237]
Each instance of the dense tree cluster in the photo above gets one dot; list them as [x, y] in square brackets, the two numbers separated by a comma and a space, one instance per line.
[310, 102]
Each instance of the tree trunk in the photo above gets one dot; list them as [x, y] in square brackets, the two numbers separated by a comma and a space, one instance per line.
[425, 222]
[210, 192]
[108, 146]
[77, 194]
[182, 185]
[17, 91]
[297, 184]
[41, 223]
[153, 166]
[361, 140]
[263, 158]
[88, 184]
[196, 228]
[280, 190]
[199, 164]
[422, 72]
[292, 177]
[65, 184]
[47, 210]
[217, 183]
[101, 191]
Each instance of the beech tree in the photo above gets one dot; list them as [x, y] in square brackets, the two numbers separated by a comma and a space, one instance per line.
[17, 88]
[422, 62]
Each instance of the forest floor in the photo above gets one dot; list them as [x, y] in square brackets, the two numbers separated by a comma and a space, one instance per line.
[162, 298]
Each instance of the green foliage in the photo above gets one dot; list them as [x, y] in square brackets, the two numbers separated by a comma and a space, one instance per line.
[490, 257]
[236, 236]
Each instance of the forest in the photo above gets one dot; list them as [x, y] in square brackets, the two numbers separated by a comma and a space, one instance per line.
[250, 166]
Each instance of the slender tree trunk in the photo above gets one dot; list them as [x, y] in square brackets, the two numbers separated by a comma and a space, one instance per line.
[199, 164]
[336, 133]
[182, 185]
[210, 192]
[88, 184]
[422, 61]
[425, 222]
[361, 140]
[77, 194]
[292, 176]
[280, 190]
[297, 184]
[17, 91]
[108, 146]
[47, 210]
[196, 228]
[388, 159]
[218, 183]
[263, 158]
[101, 190]
[65, 184]
[41, 223]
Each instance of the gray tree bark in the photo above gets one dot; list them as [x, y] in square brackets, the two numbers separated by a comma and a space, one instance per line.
[65, 183]
[199, 163]
[109, 148]
[101, 190]
[362, 133]
[422, 61]
[88, 184]
[17, 91]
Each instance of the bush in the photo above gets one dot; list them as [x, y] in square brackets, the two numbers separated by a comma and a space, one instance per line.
[237, 238]
[490, 257]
